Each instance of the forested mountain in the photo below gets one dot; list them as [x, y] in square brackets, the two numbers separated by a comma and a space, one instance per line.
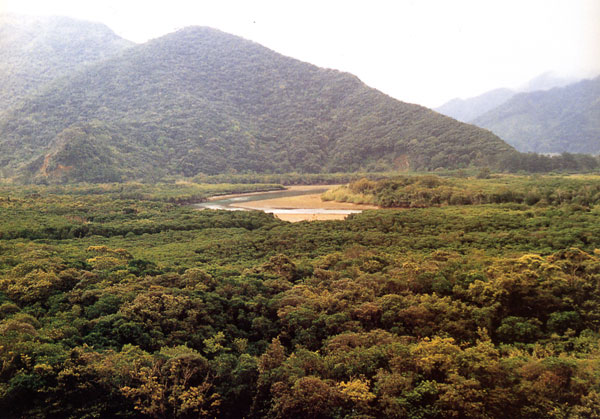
[466, 110]
[36, 50]
[559, 120]
[202, 101]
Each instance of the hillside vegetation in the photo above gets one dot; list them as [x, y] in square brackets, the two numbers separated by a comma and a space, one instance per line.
[115, 302]
[202, 101]
[427, 191]
[565, 119]
[37, 50]
[467, 110]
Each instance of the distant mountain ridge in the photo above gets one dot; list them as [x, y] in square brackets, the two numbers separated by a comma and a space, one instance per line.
[202, 101]
[549, 115]
[37, 50]
[547, 81]
[565, 119]
[467, 110]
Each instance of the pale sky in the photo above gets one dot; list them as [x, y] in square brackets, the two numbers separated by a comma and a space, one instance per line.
[419, 51]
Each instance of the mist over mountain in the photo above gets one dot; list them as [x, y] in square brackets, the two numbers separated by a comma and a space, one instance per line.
[565, 119]
[202, 101]
[36, 50]
[467, 110]
[547, 81]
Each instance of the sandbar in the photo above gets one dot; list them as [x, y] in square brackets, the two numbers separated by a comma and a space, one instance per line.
[308, 201]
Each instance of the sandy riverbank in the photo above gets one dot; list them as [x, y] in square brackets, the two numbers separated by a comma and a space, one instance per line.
[295, 218]
[304, 201]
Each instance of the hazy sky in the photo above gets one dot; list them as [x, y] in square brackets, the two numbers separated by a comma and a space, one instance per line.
[421, 51]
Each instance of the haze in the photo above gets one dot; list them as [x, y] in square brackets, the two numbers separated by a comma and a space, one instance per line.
[424, 52]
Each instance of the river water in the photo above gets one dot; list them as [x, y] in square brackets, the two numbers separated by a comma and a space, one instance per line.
[244, 202]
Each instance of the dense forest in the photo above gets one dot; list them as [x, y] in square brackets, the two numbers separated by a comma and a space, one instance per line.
[467, 110]
[428, 190]
[118, 301]
[84, 105]
[37, 50]
[565, 119]
[200, 101]
[470, 293]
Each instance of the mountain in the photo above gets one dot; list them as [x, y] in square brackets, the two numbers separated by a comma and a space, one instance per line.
[547, 81]
[466, 110]
[565, 119]
[36, 50]
[203, 101]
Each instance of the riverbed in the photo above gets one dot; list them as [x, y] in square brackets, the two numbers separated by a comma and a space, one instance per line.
[296, 203]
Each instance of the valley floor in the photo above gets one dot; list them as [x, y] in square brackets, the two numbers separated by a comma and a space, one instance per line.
[124, 301]
[309, 202]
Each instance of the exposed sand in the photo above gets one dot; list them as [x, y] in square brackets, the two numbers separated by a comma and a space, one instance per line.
[304, 201]
[294, 218]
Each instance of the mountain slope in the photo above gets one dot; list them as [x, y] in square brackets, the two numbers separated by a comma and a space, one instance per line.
[466, 110]
[202, 101]
[559, 120]
[34, 51]
[547, 81]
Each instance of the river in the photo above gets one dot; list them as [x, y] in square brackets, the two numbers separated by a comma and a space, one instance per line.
[297, 203]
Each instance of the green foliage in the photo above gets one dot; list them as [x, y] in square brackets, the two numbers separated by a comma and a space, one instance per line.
[292, 178]
[426, 191]
[111, 210]
[452, 311]
[540, 163]
[201, 102]
[36, 50]
[559, 120]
